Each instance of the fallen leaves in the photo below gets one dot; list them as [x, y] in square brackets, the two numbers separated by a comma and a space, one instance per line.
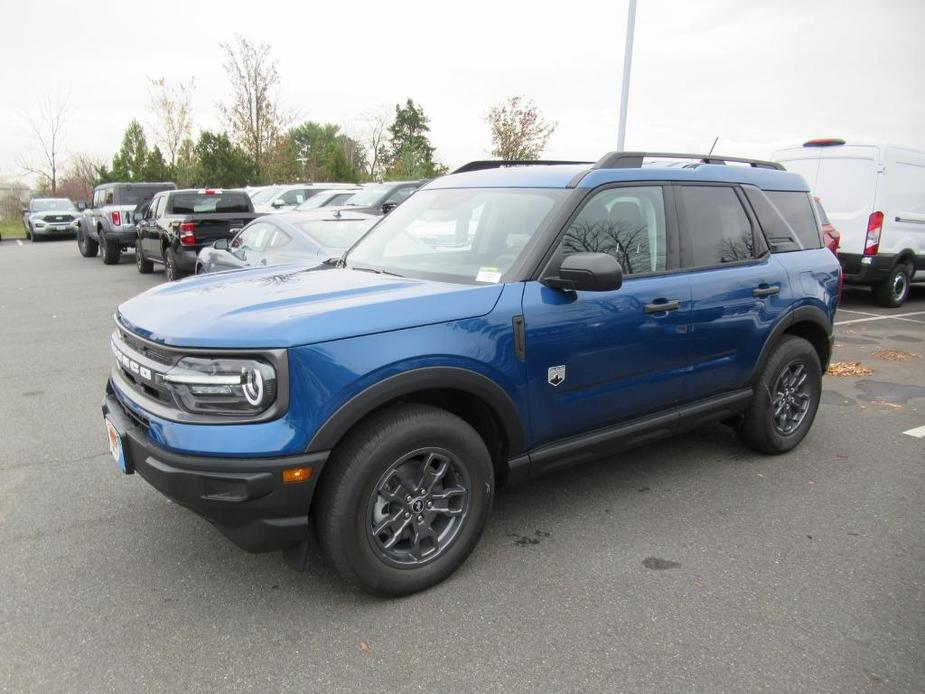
[848, 368]
[894, 355]
[364, 647]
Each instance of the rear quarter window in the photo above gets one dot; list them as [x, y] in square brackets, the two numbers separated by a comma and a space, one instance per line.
[797, 209]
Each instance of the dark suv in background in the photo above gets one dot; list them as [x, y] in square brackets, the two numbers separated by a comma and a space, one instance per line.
[108, 222]
[177, 224]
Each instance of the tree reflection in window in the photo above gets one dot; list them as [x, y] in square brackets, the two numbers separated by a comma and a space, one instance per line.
[628, 244]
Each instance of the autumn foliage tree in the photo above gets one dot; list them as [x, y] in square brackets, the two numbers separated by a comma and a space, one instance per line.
[518, 130]
[252, 115]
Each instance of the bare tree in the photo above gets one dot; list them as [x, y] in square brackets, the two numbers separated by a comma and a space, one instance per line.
[374, 138]
[252, 115]
[80, 176]
[173, 114]
[518, 130]
[47, 124]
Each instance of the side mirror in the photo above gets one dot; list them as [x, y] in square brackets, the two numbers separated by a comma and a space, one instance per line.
[277, 204]
[388, 207]
[590, 272]
[221, 245]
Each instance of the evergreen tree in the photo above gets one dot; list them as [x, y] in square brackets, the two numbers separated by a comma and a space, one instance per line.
[410, 153]
[221, 163]
[132, 159]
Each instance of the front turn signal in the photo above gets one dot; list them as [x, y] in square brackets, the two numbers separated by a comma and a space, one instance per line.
[294, 475]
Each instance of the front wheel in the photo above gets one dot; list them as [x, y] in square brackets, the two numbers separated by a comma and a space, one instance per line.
[786, 398]
[404, 499]
[894, 290]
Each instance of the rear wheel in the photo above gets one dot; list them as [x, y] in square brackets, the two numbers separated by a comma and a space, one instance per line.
[88, 247]
[144, 265]
[786, 398]
[111, 251]
[894, 290]
[172, 270]
[404, 499]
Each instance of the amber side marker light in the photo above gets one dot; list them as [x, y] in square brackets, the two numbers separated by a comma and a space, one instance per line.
[294, 475]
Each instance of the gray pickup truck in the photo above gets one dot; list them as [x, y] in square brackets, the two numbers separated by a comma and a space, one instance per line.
[109, 223]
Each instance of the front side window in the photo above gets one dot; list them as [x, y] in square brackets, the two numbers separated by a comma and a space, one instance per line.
[627, 223]
[468, 235]
[255, 238]
[400, 195]
[714, 226]
[295, 196]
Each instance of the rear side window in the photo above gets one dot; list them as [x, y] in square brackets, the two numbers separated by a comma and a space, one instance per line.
[715, 228]
[797, 209]
[228, 202]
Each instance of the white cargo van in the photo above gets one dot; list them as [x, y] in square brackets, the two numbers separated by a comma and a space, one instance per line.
[875, 196]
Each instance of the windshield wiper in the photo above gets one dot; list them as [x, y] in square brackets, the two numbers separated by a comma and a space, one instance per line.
[337, 261]
[372, 269]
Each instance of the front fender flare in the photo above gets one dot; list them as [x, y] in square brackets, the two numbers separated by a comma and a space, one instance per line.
[427, 378]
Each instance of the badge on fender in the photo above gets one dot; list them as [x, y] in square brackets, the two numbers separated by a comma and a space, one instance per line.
[556, 375]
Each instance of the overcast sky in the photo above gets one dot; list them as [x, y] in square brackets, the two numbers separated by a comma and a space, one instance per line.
[756, 74]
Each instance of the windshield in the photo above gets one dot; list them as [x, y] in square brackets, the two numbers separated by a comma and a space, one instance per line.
[264, 195]
[369, 196]
[336, 234]
[53, 204]
[325, 198]
[462, 235]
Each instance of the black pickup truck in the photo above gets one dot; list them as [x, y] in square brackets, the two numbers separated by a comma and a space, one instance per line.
[179, 223]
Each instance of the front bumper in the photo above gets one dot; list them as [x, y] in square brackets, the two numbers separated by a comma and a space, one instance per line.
[53, 229]
[244, 498]
[865, 269]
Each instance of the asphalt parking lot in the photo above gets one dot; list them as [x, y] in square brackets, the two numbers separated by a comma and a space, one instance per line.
[692, 564]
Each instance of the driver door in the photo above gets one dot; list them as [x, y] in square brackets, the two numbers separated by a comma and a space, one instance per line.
[595, 359]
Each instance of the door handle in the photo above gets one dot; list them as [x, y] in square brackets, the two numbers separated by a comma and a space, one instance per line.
[765, 290]
[662, 306]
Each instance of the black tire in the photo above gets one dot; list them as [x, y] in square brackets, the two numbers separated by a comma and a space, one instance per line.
[111, 252]
[89, 248]
[33, 236]
[791, 383]
[894, 290]
[145, 266]
[172, 271]
[350, 500]
[28, 231]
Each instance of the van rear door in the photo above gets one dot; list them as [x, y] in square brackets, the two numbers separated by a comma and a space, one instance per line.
[845, 178]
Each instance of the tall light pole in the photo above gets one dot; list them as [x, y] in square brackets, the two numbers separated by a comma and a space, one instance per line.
[627, 65]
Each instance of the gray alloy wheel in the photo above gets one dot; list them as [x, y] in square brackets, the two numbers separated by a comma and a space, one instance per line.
[417, 507]
[791, 397]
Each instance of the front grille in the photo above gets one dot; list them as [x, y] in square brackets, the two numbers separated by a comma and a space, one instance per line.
[162, 356]
[58, 218]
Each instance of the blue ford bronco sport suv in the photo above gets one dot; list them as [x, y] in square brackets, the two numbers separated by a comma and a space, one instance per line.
[508, 319]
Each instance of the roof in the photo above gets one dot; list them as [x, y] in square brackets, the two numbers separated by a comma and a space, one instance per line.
[584, 176]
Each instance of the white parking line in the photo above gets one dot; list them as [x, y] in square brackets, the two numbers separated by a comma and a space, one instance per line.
[860, 313]
[918, 432]
[898, 316]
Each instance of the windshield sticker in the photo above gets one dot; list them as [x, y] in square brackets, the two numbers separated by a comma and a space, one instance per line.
[488, 274]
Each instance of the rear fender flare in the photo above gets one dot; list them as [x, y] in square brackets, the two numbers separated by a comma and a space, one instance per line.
[801, 314]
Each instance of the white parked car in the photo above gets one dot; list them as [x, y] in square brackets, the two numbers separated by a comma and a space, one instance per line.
[327, 198]
[875, 196]
[283, 198]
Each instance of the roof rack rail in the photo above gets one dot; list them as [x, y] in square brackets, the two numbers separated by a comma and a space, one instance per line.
[484, 164]
[633, 160]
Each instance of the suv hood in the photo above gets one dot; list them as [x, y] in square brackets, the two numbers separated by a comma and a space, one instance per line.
[286, 306]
